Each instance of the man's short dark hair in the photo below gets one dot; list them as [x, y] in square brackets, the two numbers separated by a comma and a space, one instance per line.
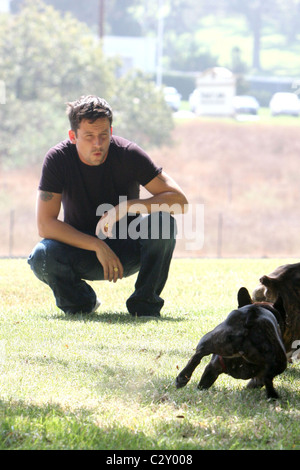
[88, 107]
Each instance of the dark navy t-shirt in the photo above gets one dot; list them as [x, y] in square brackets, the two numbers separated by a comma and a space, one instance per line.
[85, 187]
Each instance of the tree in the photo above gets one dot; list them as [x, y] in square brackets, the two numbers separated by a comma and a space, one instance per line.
[183, 19]
[289, 19]
[41, 50]
[260, 12]
[49, 58]
[188, 54]
[117, 18]
[142, 114]
[86, 14]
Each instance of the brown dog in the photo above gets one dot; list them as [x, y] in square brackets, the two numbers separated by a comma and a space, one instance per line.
[247, 345]
[284, 282]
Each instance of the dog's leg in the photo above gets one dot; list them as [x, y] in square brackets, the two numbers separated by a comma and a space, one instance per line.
[271, 370]
[211, 373]
[204, 348]
[186, 373]
[265, 378]
[271, 392]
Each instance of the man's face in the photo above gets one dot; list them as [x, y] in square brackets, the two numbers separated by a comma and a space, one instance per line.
[92, 141]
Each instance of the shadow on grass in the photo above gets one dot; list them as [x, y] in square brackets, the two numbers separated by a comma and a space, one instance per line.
[193, 419]
[112, 317]
[27, 426]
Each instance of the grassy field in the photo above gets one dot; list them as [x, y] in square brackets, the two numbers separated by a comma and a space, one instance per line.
[263, 117]
[220, 35]
[106, 381]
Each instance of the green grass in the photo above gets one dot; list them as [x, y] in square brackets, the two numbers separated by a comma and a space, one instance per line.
[220, 35]
[263, 117]
[107, 381]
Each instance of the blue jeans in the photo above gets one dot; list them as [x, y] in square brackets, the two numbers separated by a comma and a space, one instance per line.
[65, 268]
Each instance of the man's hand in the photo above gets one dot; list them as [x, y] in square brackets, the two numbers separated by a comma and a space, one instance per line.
[48, 207]
[105, 224]
[166, 196]
[112, 266]
[107, 221]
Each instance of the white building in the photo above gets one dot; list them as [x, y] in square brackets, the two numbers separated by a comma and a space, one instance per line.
[135, 52]
[214, 94]
[4, 6]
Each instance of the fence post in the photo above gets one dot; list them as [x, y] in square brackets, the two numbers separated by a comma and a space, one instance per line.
[220, 235]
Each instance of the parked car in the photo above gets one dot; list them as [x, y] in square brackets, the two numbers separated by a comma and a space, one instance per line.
[244, 104]
[285, 103]
[172, 97]
[194, 100]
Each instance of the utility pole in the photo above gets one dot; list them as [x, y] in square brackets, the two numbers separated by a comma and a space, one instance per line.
[101, 19]
[160, 39]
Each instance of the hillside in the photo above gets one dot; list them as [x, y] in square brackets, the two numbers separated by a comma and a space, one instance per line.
[277, 57]
[247, 177]
[245, 174]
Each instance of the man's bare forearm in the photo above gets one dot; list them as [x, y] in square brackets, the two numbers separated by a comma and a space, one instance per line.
[168, 201]
[57, 230]
[49, 226]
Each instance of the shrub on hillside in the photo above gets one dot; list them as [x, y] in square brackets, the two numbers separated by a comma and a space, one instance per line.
[48, 59]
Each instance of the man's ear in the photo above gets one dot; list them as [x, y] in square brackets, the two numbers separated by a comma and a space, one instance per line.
[72, 136]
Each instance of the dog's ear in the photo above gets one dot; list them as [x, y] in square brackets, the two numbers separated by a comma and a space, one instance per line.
[269, 281]
[243, 297]
[279, 305]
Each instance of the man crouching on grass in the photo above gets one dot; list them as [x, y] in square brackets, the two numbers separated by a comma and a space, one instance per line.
[96, 177]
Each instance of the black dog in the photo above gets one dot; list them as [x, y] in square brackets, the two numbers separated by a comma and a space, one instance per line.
[247, 345]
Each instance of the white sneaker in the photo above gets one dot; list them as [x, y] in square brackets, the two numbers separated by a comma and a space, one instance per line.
[97, 305]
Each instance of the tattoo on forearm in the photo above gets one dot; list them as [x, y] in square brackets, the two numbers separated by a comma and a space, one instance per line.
[46, 196]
